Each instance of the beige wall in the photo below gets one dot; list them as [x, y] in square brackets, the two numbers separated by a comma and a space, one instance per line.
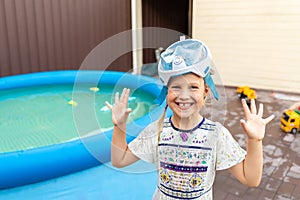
[255, 43]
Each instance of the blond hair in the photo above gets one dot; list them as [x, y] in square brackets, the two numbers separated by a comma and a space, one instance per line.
[161, 123]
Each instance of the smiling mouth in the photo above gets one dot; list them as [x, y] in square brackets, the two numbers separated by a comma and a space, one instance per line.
[184, 106]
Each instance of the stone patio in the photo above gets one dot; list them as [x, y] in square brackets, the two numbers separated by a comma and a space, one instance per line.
[281, 175]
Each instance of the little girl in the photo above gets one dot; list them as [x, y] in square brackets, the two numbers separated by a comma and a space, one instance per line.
[186, 147]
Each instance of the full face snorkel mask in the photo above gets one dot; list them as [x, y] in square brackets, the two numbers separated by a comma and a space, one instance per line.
[182, 57]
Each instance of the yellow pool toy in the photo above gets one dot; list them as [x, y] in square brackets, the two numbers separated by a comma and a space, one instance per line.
[73, 103]
[94, 89]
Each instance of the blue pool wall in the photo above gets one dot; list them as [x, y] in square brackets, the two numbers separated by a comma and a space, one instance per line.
[43, 163]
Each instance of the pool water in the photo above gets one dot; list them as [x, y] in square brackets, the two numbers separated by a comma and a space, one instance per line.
[39, 116]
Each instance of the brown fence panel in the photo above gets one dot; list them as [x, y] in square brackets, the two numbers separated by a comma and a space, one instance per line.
[46, 35]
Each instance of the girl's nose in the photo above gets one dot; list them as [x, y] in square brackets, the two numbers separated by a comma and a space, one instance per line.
[184, 94]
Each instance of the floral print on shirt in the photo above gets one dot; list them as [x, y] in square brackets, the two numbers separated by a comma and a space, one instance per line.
[187, 167]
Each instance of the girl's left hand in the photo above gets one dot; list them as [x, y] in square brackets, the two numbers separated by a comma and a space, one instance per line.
[254, 125]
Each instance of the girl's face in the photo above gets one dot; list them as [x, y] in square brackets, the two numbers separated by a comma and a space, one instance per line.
[186, 95]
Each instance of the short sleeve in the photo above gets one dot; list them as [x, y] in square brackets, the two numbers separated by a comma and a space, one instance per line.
[229, 152]
[144, 145]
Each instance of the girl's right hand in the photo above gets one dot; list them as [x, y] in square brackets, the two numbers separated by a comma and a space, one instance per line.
[120, 111]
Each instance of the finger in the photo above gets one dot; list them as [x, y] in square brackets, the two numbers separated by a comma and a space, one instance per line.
[127, 96]
[246, 109]
[117, 98]
[260, 110]
[253, 106]
[124, 95]
[268, 119]
[243, 123]
[108, 105]
[128, 110]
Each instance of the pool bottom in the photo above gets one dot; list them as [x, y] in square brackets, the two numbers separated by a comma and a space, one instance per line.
[101, 182]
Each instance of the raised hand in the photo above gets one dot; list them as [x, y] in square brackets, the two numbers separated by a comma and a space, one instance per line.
[254, 125]
[120, 110]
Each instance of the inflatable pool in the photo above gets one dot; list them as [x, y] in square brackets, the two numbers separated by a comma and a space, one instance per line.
[26, 166]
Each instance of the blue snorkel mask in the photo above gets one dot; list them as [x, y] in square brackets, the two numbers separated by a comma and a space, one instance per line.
[182, 57]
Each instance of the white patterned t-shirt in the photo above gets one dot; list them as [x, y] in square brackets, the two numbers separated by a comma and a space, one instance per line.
[187, 160]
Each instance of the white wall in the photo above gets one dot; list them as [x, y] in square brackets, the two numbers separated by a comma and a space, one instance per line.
[255, 43]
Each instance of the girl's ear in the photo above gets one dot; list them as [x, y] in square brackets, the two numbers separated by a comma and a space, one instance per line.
[206, 90]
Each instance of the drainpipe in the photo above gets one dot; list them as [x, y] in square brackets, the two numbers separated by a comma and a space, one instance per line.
[137, 36]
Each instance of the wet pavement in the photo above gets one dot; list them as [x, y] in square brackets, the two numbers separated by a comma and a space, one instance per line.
[281, 174]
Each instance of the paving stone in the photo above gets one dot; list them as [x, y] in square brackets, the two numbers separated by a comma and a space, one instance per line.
[264, 181]
[296, 193]
[273, 185]
[286, 189]
[232, 197]
[219, 194]
[281, 173]
[234, 187]
[252, 193]
[280, 197]
[266, 195]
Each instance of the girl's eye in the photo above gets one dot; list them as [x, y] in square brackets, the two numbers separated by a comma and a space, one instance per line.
[175, 87]
[194, 87]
